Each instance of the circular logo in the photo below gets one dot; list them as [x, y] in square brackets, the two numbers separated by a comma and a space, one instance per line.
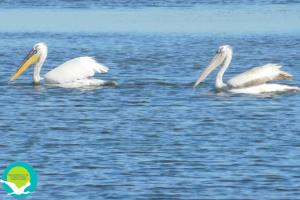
[19, 180]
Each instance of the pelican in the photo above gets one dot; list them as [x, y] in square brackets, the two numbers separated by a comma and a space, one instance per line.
[15, 189]
[73, 73]
[253, 81]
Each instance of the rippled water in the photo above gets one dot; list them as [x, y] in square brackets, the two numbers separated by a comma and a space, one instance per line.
[153, 136]
[133, 3]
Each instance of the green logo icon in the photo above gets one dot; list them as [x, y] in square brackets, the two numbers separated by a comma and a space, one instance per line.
[19, 180]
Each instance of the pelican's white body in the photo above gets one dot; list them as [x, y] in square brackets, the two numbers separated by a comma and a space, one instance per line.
[73, 73]
[253, 81]
[76, 73]
[265, 88]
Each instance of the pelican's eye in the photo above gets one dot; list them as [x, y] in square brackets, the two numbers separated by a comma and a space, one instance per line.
[34, 51]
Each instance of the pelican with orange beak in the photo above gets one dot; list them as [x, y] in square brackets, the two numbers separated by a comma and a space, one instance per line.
[254, 81]
[73, 73]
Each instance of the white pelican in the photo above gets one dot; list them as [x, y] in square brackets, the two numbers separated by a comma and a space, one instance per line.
[73, 73]
[15, 189]
[254, 81]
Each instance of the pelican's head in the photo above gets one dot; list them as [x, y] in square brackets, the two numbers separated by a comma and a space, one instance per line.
[222, 53]
[38, 51]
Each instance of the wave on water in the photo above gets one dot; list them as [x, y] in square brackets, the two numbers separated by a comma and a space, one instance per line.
[132, 3]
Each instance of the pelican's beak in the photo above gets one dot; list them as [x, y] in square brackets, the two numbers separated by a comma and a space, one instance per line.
[30, 59]
[214, 63]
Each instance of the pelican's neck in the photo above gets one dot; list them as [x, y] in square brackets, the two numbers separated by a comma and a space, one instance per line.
[37, 68]
[219, 80]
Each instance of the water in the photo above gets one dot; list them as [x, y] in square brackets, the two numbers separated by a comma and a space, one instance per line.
[153, 136]
[77, 4]
[205, 19]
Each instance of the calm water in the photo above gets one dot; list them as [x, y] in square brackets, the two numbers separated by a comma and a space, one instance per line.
[153, 136]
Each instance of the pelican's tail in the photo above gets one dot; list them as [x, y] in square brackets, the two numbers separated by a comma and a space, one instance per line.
[297, 89]
[285, 76]
[110, 83]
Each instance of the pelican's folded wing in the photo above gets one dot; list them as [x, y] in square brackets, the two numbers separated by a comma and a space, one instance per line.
[76, 69]
[259, 75]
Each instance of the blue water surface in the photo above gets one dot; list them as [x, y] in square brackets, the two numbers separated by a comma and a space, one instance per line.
[112, 4]
[209, 19]
[152, 136]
